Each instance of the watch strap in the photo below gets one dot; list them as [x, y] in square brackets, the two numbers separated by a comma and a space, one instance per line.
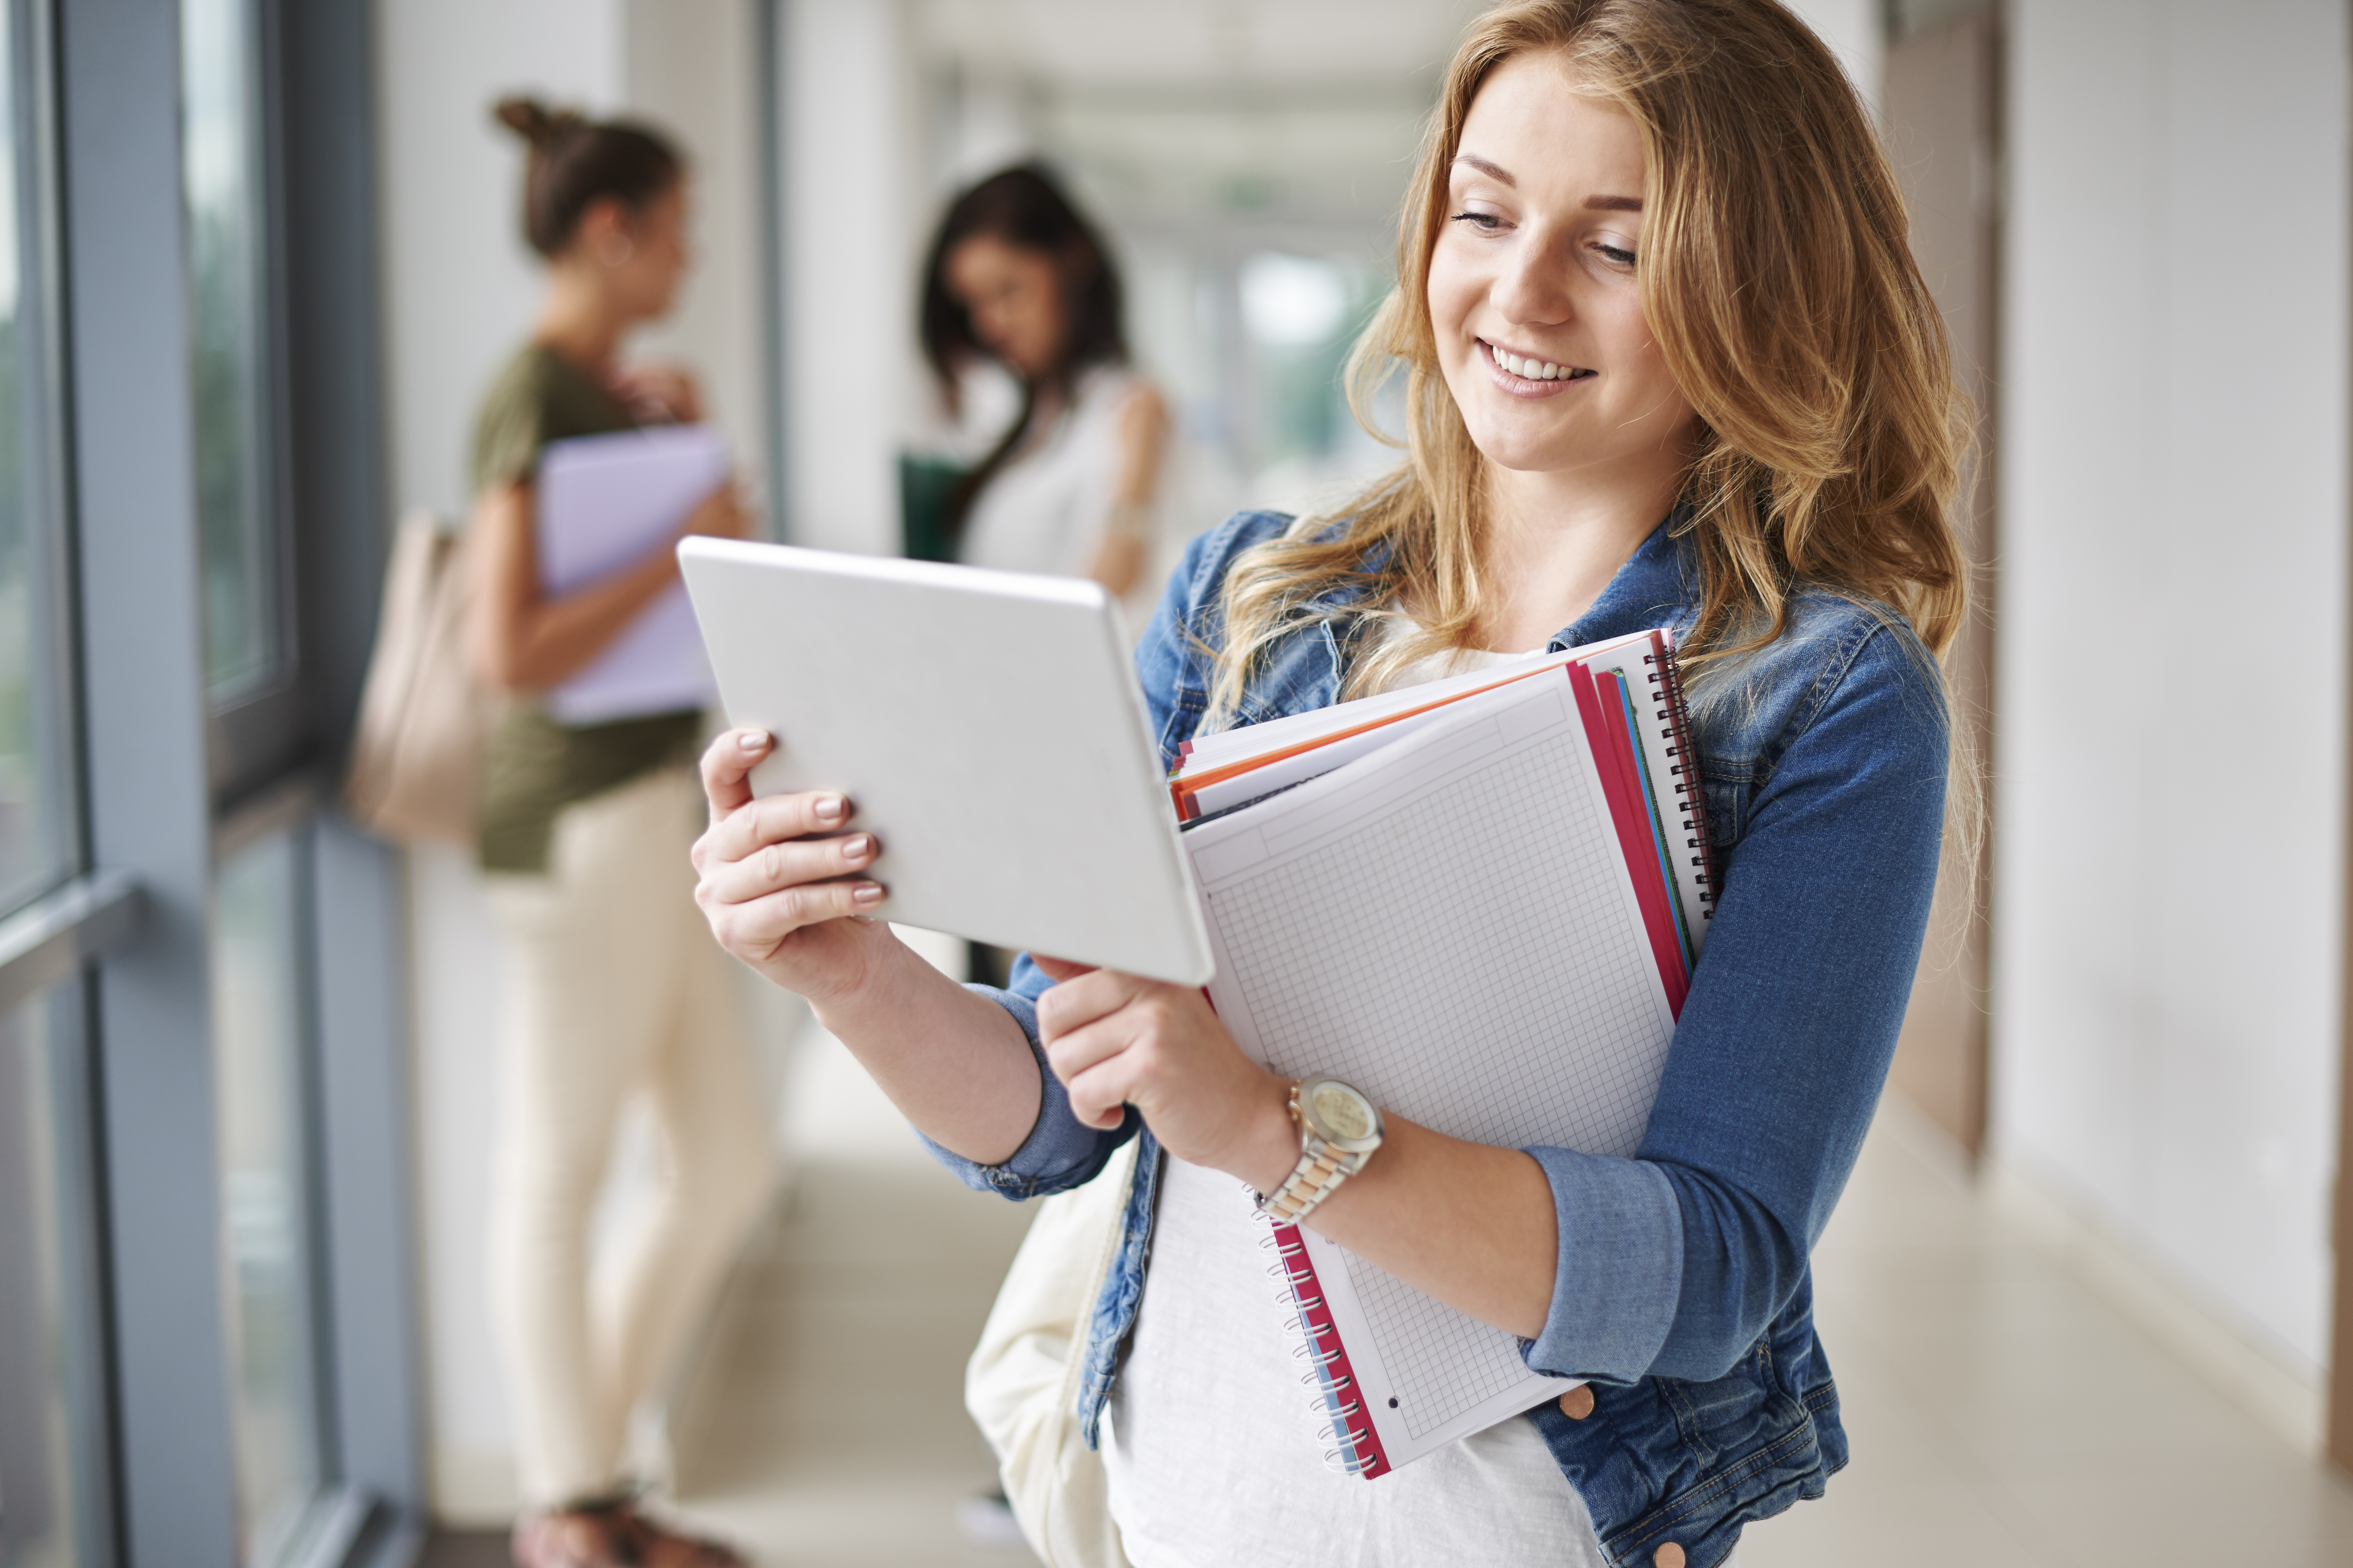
[1320, 1171]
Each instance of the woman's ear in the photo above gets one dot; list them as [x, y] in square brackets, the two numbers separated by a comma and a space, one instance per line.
[606, 234]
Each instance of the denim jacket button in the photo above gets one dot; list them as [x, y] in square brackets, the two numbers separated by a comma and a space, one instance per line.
[1668, 1556]
[1577, 1403]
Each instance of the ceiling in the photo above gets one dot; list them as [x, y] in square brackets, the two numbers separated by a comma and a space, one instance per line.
[1229, 125]
[1195, 44]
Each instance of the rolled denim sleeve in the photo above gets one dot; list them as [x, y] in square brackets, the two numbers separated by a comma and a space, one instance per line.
[1060, 1152]
[1619, 1271]
[1674, 1262]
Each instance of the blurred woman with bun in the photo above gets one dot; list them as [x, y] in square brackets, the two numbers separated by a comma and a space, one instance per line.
[614, 989]
[1016, 276]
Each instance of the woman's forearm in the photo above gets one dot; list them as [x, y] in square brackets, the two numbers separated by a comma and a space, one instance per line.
[549, 641]
[954, 1062]
[523, 640]
[1470, 1223]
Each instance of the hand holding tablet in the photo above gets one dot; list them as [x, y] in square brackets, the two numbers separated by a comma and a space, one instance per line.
[987, 735]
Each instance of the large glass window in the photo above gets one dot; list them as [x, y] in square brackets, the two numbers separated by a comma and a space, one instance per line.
[36, 816]
[223, 182]
[260, 1059]
[53, 1443]
[50, 1515]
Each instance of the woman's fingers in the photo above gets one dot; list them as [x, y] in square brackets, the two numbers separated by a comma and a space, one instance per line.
[774, 867]
[1076, 1002]
[727, 764]
[771, 819]
[1102, 1090]
[754, 929]
[1103, 1034]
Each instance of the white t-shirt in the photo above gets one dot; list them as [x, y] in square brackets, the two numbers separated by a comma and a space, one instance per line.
[1212, 1443]
[1045, 510]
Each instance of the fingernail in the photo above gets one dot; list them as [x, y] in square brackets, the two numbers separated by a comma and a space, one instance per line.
[753, 740]
[867, 895]
[858, 848]
[832, 808]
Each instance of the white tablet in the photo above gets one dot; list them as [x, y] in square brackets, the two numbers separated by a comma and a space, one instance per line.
[987, 726]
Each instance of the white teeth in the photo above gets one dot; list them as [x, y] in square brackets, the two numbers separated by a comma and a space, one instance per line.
[1529, 369]
[1525, 368]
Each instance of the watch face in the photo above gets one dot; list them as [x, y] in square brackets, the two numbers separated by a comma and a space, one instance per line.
[1340, 1110]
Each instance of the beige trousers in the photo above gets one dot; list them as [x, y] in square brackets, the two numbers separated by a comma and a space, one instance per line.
[614, 989]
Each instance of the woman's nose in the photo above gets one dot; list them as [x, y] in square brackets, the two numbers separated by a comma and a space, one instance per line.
[1532, 286]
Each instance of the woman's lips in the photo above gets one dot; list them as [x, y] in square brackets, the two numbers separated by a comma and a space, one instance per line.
[1527, 386]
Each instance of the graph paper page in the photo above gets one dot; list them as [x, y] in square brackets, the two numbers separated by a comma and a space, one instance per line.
[1448, 925]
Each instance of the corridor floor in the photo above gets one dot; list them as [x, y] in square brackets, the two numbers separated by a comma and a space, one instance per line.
[2001, 1412]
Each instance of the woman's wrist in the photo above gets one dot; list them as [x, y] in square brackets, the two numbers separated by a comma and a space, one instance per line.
[876, 992]
[1266, 1144]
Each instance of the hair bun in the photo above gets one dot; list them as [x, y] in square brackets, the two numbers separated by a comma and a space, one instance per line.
[534, 120]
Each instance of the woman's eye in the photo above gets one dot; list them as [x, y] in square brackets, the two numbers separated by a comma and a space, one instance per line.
[1486, 222]
[1620, 256]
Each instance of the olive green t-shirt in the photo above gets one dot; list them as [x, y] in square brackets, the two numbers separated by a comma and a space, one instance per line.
[534, 767]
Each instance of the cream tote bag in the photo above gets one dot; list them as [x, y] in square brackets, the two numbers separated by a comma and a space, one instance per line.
[1022, 1383]
[418, 755]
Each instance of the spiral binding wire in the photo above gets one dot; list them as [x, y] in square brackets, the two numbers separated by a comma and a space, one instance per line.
[1332, 1405]
[1675, 715]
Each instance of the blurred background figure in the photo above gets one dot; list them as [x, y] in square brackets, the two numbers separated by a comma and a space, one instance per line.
[1019, 287]
[614, 990]
[1017, 277]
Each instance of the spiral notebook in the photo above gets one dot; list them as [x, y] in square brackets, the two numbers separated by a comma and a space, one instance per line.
[1501, 878]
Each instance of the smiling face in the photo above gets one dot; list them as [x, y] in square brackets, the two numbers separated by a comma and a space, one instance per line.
[1532, 291]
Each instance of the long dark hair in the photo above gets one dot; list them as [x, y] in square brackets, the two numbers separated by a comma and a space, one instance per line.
[577, 161]
[1024, 207]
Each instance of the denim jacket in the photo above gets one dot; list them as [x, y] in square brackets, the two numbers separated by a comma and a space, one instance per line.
[1683, 1292]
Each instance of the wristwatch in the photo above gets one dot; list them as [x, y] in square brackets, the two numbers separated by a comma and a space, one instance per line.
[1338, 1131]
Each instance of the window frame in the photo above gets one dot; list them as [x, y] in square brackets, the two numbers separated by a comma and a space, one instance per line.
[169, 777]
[262, 732]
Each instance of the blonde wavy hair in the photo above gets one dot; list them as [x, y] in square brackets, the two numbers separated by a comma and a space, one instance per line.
[1778, 279]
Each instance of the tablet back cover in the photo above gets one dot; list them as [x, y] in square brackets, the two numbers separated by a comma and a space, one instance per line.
[987, 727]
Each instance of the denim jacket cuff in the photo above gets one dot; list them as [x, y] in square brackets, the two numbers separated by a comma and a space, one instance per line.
[1621, 1267]
[1059, 1146]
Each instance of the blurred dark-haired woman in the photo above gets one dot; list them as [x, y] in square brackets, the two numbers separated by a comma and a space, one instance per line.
[1019, 277]
[613, 991]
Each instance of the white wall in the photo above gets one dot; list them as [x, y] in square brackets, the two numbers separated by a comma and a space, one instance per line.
[460, 285]
[2172, 635]
[853, 206]
[461, 292]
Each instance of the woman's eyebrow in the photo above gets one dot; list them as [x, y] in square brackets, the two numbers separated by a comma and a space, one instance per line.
[1493, 171]
[1592, 204]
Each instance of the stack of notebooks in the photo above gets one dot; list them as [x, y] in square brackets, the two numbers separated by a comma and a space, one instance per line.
[1480, 900]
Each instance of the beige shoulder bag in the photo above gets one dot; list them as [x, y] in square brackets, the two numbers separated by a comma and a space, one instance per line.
[1022, 1383]
[418, 751]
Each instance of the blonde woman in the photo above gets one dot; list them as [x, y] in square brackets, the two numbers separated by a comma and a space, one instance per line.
[1668, 361]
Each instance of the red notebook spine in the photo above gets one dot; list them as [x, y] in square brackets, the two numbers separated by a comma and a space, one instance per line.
[1339, 1401]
